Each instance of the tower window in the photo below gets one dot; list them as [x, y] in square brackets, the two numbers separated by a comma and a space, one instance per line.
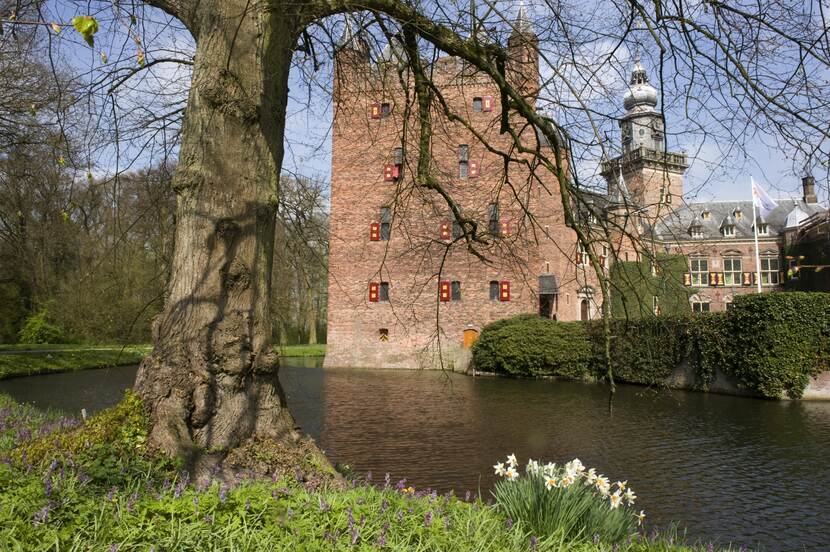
[494, 290]
[463, 160]
[456, 230]
[384, 291]
[385, 223]
[383, 334]
[385, 110]
[476, 104]
[493, 218]
[455, 293]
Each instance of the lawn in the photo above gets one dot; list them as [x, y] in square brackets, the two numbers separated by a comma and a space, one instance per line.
[27, 360]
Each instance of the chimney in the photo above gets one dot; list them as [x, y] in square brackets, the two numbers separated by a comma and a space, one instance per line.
[808, 184]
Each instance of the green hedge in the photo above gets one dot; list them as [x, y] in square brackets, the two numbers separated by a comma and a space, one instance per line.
[770, 344]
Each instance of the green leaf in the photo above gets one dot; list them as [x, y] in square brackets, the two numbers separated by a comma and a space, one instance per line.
[87, 26]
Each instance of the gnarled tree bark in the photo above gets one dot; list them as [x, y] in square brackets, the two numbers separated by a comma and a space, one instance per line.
[210, 383]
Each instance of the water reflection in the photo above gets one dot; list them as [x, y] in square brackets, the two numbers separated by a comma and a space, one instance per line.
[732, 469]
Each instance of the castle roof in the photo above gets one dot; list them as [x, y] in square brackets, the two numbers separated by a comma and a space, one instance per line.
[675, 226]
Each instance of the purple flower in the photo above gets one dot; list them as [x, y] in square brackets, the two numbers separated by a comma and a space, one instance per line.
[247, 504]
[113, 548]
[369, 476]
[382, 539]
[710, 547]
[384, 505]
[401, 485]
[290, 513]
[596, 538]
[428, 519]
[467, 496]
[533, 542]
[223, 493]
[386, 480]
[112, 492]
[131, 502]
[399, 515]
[355, 535]
[351, 518]
[509, 524]
[324, 506]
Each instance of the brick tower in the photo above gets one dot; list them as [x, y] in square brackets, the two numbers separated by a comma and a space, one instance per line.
[404, 290]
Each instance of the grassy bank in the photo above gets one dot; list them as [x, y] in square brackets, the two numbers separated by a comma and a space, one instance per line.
[27, 360]
[303, 350]
[64, 485]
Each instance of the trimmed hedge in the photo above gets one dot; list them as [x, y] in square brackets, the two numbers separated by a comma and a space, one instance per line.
[771, 344]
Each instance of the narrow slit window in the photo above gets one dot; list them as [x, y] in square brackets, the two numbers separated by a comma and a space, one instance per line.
[384, 291]
[385, 223]
[494, 290]
[455, 293]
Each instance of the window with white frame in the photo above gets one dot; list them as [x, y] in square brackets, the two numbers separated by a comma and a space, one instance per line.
[700, 305]
[700, 271]
[732, 267]
[769, 271]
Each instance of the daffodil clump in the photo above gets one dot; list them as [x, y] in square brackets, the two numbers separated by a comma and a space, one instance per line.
[572, 500]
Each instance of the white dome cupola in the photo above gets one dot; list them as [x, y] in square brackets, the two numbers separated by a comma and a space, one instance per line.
[642, 124]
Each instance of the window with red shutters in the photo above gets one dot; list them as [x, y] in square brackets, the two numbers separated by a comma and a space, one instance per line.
[504, 291]
[473, 171]
[687, 279]
[374, 293]
[444, 290]
[505, 228]
[446, 231]
[487, 103]
[374, 110]
[391, 172]
[374, 231]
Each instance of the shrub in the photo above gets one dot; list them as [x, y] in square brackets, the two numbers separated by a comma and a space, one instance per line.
[777, 341]
[644, 351]
[37, 329]
[533, 346]
[570, 501]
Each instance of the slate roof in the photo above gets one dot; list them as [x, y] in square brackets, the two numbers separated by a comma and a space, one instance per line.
[675, 227]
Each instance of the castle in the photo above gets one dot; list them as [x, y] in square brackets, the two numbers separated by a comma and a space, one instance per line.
[406, 291]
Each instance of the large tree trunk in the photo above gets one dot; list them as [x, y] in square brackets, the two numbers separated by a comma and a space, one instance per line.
[210, 383]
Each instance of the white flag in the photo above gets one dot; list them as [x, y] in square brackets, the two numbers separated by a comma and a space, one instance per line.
[763, 202]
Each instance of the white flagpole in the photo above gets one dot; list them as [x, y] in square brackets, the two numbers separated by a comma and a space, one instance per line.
[755, 231]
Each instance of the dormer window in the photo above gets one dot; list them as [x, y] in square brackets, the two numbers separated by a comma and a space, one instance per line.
[696, 231]
[763, 229]
[737, 213]
[706, 215]
[728, 231]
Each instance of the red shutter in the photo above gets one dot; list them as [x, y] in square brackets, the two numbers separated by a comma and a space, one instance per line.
[687, 279]
[390, 172]
[374, 292]
[504, 291]
[746, 279]
[505, 228]
[713, 279]
[446, 231]
[374, 110]
[444, 291]
[487, 103]
[374, 231]
[473, 170]
[720, 278]
[754, 278]
[579, 258]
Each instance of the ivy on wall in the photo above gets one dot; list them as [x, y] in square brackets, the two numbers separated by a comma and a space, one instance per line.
[634, 284]
[770, 343]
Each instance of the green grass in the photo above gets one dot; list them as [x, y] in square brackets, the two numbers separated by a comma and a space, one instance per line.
[303, 350]
[65, 358]
[94, 487]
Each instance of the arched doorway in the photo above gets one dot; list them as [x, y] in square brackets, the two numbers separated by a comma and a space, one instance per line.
[470, 336]
[584, 310]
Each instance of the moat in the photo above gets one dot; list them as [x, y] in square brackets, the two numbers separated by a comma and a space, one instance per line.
[748, 471]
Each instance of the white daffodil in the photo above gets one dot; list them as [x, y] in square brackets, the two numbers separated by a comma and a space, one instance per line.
[616, 500]
[590, 476]
[511, 460]
[533, 467]
[568, 480]
[575, 466]
[550, 482]
[621, 484]
[602, 484]
[550, 469]
[499, 467]
[511, 473]
[640, 517]
[630, 497]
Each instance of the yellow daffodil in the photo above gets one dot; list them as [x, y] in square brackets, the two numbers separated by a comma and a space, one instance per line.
[640, 517]
[409, 490]
[499, 467]
[616, 500]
